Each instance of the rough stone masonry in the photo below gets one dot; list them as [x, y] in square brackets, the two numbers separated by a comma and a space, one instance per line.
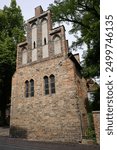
[48, 90]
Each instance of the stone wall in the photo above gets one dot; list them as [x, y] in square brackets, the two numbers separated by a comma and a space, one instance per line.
[82, 94]
[96, 119]
[55, 117]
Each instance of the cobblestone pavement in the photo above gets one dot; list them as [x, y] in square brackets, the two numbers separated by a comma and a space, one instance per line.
[7, 143]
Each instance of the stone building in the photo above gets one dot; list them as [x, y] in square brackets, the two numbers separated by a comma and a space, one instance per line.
[48, 90]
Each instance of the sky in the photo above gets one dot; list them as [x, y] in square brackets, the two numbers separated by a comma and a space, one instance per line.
[28, 8]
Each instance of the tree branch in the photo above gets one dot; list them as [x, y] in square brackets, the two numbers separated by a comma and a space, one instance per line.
[74, 21]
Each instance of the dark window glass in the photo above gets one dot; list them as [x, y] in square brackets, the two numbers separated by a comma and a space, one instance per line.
[34, 45]
[46, 85]
[44, 41]
[26, 89]
[31, 87]
[52, 84]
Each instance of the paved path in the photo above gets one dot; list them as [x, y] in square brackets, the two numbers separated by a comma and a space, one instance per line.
[7, 143]
[18, 144]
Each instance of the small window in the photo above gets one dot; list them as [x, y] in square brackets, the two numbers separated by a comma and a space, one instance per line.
[31, 87]
[52, 84]
[34, 45]
[26, 89]
[44, 41]
[46, 85]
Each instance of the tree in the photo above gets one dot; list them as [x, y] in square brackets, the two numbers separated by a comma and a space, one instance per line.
[84, 15]
[94, 105]
[11, 33]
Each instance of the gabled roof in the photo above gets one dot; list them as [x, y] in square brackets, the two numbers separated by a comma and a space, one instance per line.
[73, 59]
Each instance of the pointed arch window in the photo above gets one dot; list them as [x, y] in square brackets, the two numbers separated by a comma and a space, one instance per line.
[57, 45]
[46, 85]
[27, 89]
[34, 36]
[31, 87]
[52, 84]
[44, 31]
[24, 56]
[45, 52]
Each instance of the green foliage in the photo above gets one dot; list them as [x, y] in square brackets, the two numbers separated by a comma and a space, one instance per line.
[14, 22]
[11, 33]
[95, 104]
[84, 16]
[90, 132]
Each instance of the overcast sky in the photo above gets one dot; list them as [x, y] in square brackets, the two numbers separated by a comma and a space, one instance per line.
[28, 6]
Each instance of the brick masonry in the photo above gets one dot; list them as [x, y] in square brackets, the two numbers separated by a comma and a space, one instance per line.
[96, 119]
[59, 117]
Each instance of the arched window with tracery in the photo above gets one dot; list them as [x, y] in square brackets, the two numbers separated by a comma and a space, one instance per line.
[26, 88]
[31, 87]
[52, 84]
[46, 85]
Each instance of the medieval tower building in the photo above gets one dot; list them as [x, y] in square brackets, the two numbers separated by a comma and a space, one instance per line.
[48, 90]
